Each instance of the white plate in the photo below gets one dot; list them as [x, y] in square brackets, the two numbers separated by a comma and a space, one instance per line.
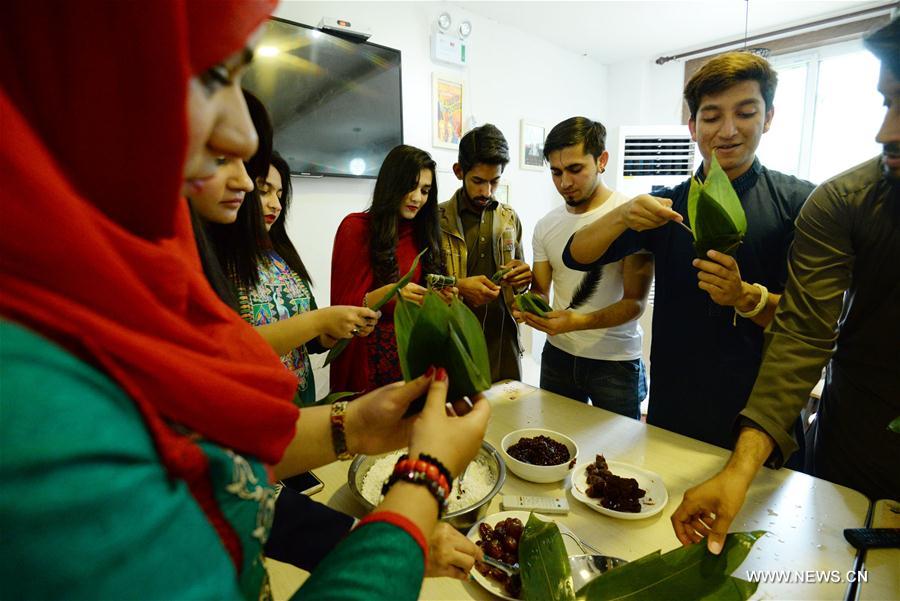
[494, 587]
[653, 502]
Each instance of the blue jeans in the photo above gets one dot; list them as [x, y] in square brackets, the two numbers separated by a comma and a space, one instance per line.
[617, 386]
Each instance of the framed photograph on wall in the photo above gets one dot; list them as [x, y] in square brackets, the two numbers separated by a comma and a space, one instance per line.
[447, 103]
[502, 193]
[531, 145]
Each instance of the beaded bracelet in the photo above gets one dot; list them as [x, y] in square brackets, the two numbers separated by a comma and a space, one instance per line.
[425, 473]
[436, 462]
[338, 436]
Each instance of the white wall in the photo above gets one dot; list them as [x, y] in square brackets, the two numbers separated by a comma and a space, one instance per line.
[511, 75]
[641, 93]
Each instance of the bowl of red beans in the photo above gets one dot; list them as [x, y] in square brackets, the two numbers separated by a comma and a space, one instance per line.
[539, 455]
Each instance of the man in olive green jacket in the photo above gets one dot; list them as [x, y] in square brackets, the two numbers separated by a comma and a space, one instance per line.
[846, 241]
[479, 237]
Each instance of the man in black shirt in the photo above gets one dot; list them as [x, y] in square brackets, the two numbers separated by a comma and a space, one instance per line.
[709, 314]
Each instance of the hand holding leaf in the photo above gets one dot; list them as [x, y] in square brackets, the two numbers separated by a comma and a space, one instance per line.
[477, 290]
[338, 348]
[442, 335]
[721, 278]
[531, 302]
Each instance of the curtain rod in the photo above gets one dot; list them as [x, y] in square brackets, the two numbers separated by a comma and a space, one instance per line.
[873, 10]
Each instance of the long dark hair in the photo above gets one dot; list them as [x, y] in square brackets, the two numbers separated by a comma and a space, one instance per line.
[240, 247]
[399, 175]
[277, 233]
[212, 269]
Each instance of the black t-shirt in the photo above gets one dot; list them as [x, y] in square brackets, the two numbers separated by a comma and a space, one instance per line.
[703, 365]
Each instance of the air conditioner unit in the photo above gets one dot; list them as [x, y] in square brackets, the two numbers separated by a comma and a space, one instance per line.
[652, 157]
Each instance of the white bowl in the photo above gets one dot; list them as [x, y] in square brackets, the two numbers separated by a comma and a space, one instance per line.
[538, 473]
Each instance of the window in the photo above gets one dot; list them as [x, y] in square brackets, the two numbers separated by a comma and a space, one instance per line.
[827, 112]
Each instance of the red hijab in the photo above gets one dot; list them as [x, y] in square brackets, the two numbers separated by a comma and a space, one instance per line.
[96, 248]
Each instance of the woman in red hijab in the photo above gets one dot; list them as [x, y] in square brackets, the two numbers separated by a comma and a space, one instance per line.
[139, 413]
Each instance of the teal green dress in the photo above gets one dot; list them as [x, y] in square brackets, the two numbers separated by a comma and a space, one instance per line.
[281, 294]
[88, 511]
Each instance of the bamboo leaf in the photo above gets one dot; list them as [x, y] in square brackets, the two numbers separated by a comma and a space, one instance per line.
[469, 330]
[444, 336]
[405, 315]
[498, 275]
[693, 197]
[719, 187]
[428, 337]
[717, 217]
[532, 303]
[894, 426]
[466, 378]
[400, 284]
[338, 348]
[545, 570]
[684, 573]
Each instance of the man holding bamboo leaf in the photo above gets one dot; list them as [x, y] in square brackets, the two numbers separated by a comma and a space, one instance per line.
[593, 349]
[710, 310]
[841, 307]
[481, 241]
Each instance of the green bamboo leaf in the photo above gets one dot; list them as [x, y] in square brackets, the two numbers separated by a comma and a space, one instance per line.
[466, 379]
[719, 187]
[405, 315]
[498, 275]
[684, 573]
[894, 426]
[400, 284]
[545, 570]
[429, 336]
[715, 212]
[693, 197]
[341, 344]
[714, 228]
[532, 303]
[470, 332]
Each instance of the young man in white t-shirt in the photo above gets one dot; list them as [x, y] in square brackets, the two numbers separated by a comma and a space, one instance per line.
[593, 349]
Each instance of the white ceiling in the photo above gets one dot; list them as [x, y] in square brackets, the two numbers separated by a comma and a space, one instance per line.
[610, 31]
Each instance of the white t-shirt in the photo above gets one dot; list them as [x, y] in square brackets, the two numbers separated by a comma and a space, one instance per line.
[619, 343]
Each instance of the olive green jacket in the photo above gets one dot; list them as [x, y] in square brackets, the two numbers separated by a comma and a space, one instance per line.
[845, 241]
[456, 254]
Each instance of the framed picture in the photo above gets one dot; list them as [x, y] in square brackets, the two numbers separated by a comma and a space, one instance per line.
[531, 145]
[502, 193]
[447, 100]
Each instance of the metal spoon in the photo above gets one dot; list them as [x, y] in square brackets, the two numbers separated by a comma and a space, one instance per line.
[509, 570]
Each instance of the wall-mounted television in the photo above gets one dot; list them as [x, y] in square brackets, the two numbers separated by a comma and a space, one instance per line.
[334, 102]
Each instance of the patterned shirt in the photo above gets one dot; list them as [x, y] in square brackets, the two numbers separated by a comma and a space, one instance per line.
[280, 294]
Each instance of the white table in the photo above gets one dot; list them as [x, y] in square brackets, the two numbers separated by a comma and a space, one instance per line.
[805, 516]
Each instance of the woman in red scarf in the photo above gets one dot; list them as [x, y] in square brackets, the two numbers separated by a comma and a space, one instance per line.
[138, 410]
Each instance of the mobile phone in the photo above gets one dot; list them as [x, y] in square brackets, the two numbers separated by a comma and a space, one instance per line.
[306, 483]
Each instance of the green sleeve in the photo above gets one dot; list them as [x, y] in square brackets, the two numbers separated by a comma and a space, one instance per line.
[801, 339]
[86, 509]
[376, 561]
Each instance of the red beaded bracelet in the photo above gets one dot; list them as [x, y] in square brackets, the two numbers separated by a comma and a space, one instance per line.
[422, 472]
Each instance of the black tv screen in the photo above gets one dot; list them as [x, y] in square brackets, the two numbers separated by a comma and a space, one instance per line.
[334, 103]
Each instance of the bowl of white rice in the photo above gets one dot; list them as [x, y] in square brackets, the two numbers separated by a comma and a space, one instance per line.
[483, 481]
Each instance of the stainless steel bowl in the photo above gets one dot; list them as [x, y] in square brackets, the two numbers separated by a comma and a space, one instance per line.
[462, 519]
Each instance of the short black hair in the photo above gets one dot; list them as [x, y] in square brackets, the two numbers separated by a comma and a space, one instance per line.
[484, 144]
[885, 44]
[574, 131]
